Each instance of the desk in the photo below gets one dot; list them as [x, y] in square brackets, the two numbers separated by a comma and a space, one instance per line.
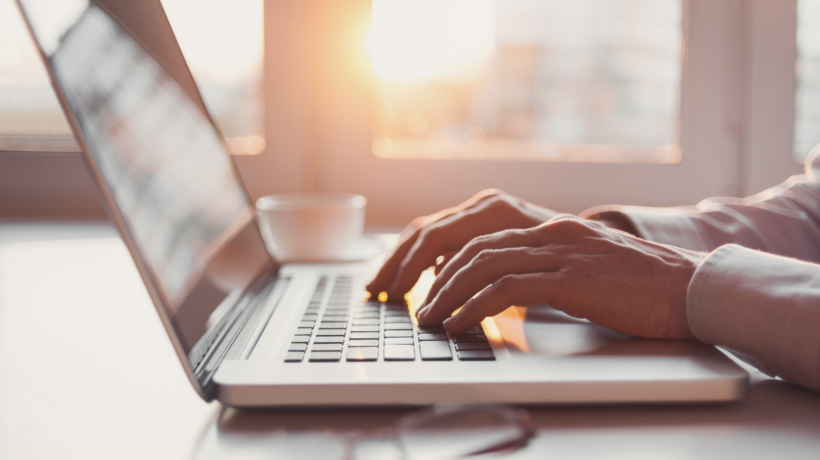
[87, 372]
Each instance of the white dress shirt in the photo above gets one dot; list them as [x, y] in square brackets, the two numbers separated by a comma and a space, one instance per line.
[758, 292]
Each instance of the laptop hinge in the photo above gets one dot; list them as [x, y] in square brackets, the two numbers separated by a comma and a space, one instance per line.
[236, 329]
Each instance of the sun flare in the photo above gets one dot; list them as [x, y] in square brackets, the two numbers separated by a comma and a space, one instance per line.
[416, 40]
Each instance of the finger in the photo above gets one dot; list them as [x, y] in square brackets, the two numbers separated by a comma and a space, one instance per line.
[387, 273]
[449, 234]
[487, 268]
[519, 290]
[498, 240]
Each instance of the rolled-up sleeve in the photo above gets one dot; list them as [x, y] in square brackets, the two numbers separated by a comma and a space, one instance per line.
[763, 307]
[783, 220]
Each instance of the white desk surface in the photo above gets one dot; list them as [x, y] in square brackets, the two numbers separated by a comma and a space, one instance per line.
[87, 372]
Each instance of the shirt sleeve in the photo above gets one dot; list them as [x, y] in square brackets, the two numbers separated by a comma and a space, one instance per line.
[783, 220]
[762, 307]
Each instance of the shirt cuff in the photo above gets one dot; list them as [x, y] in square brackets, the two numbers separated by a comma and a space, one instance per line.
[673, 226]
[763, 307]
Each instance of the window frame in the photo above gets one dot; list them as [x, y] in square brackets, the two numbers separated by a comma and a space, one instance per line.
[318, 129]
[331, 148]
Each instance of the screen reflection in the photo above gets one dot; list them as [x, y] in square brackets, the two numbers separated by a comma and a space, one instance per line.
[164, 163]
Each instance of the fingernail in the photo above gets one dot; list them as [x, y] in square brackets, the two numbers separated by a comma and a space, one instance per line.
[450, 323]
[422, 312]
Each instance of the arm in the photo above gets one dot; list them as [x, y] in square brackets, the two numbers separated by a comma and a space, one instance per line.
[783, 220]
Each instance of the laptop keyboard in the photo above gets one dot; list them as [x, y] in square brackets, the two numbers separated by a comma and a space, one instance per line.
[338, 325]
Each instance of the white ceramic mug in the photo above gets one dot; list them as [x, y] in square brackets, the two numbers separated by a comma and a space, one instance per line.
[311, 227]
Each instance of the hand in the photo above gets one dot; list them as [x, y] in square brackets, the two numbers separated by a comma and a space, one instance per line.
[580, 267]
[446, 232]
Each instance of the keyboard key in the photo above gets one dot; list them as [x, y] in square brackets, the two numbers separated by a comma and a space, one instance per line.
[363, 354]
[399, 353]
[374, 328]
[307, 324]
[364, 335]
[304, 331]
[397, 319]
[435, 351]
[326, 347]
[332, 339]
[469, 338]
[397, 313]
[301, 339]
[363, 343]
[398, 333]
[365, 322]
[333, 318]
[395, 306]
[297, 347]
[374, 314]
[310, 317]
[473, 346]
[432, 329]
[330, 332]
[399, 341]
[325, 356]
[477, 355]
[333, 324]
[294, 356]
[432, 336]
[398, 327]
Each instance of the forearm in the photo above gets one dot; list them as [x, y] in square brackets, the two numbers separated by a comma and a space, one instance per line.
[783, 220]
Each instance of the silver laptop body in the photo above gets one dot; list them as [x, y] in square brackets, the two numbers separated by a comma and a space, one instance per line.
[250, 331]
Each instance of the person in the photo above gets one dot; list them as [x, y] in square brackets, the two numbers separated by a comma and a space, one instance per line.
[740, 273]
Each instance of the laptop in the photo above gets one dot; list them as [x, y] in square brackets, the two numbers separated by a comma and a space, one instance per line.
[252, 332]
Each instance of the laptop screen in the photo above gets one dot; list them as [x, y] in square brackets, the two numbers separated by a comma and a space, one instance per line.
[160, 159]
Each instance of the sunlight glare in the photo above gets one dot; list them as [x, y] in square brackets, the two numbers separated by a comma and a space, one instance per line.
[415, 40]
[200, 27]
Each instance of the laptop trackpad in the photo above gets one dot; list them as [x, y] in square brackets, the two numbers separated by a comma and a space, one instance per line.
[542, 330]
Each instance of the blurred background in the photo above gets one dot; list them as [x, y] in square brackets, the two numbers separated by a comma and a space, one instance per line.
[419, 104]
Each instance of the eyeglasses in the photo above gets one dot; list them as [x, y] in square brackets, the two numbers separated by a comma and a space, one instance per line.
[456, 431]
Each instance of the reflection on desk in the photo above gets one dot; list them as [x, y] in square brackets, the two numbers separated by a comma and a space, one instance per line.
[87, 372]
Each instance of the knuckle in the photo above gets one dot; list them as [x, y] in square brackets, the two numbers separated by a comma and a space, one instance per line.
[499, 202]
[428, 233]
[418, 223]
[505, 286]
[483, 256]
[569, 225]
[492, 192]
[479, 242]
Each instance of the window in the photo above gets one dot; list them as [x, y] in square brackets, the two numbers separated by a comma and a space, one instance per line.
[222, 43]
[560, 80]
[807, 93]
[28, 107]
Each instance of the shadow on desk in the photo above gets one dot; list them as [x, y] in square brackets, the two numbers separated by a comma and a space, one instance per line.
[775, 418]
